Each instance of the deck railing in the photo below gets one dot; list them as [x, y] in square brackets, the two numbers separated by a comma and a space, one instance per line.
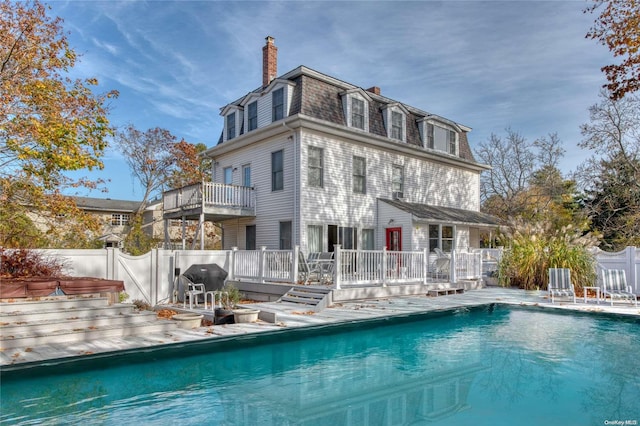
[209, 194]
[358, 267]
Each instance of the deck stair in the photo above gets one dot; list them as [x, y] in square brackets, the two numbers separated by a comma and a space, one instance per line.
[315, 298]
[57, 320]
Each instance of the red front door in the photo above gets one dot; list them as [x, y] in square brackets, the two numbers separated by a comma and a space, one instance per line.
[394, 239]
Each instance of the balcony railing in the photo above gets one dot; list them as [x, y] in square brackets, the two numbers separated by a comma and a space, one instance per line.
[209, 194]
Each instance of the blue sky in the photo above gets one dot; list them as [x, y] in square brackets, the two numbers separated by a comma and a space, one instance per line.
[486, 64]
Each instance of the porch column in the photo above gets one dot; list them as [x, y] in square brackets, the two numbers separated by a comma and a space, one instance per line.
[201, 230]
[294, 264]
[385, 258]
[452, 266]
[425, 266]
[232, 264]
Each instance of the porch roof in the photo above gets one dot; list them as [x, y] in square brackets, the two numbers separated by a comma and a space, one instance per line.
[445, 214]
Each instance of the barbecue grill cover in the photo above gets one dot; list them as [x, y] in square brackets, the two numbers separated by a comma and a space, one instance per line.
[211, 275]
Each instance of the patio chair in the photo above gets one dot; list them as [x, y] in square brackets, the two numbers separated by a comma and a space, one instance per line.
[560, 283]
[305, 269]
[193, 292]
[441, 255]
[614, 284]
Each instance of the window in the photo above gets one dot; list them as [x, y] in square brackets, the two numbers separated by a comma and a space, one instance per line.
[452, 142]
[345, 236]
[357, 113]
[120, 219]
[314, 238]
[396, 125]
[246, 175]
[285, 235]
[277, 104]
[315, 167]
[277, 170]
[441, 236]
[368, 243]
[253, 116]
[228, 175]
[430, 137]
[231, 126]
[397, 183]
[250, 237]
[359, 175]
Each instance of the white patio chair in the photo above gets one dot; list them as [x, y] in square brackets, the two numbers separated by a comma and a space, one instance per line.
[560, 283]
[614, 284]
[192, 291]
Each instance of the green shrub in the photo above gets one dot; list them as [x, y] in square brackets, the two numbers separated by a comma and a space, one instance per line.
[531, 249]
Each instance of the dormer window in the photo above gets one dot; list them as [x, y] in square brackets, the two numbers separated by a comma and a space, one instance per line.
[231, 126]
[277, 104]
[252, 116]
[431, 141]
[355, 104]
[439, 136]
[395, 121]
[357, 113]
[452, 142]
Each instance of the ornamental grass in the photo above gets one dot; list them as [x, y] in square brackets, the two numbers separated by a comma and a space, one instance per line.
[532, 248]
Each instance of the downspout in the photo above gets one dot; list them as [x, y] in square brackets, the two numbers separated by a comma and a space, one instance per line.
[295, 185]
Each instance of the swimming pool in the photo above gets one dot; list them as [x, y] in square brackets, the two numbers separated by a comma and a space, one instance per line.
[489, 365]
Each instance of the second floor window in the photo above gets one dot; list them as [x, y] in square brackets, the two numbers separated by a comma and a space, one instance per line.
[359, 175]
[397, 183]
[246, 175]
[252, 116]
[277, 170]
[315, 166]
[357, 113]
[277, 104]
[231, 126]
[396, 125]
[120, 219]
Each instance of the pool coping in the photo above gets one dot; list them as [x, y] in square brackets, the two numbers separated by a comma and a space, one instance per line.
[57, 365]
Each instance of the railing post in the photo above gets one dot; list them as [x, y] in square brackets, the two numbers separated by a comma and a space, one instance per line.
[232, 263]
[337, 270]
[263, 255]
[452, 265]
[425, 266]
[384, 266]
[294, 270]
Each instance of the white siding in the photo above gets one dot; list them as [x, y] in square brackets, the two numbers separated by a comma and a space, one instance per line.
[271, 206]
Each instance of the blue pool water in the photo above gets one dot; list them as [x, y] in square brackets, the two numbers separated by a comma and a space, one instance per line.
[486, 366]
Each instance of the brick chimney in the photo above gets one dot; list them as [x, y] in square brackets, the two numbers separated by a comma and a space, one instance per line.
[374, 89]
[269, 61]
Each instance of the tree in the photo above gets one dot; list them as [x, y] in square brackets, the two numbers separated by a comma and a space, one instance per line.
[524, 180]
[190, 167]
[49, 123]
[618, 28]
[610, 179]
[150, 158]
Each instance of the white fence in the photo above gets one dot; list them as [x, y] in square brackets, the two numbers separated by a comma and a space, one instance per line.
[150, 277]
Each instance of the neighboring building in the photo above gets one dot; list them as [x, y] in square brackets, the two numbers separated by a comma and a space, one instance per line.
[114, 215]
[310, 160]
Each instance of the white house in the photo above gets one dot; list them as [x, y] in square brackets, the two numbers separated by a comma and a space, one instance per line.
[310, 160]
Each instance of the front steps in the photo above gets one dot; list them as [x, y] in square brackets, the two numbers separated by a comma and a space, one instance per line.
[314, 298]
[62, 320]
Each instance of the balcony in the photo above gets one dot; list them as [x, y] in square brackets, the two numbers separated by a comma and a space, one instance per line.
[216, 201]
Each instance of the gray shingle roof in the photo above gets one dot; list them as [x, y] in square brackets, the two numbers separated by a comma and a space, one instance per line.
[445, 214]
[106, 204]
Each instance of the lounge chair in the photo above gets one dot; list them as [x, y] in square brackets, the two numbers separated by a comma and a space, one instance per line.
[560, 283]
[614, 284]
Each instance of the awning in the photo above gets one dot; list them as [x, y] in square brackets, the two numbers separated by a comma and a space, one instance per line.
[445, 214]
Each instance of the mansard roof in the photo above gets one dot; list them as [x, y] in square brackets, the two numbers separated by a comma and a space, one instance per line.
[319, 96]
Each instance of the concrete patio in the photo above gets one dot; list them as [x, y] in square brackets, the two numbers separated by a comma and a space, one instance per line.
[290, 316]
